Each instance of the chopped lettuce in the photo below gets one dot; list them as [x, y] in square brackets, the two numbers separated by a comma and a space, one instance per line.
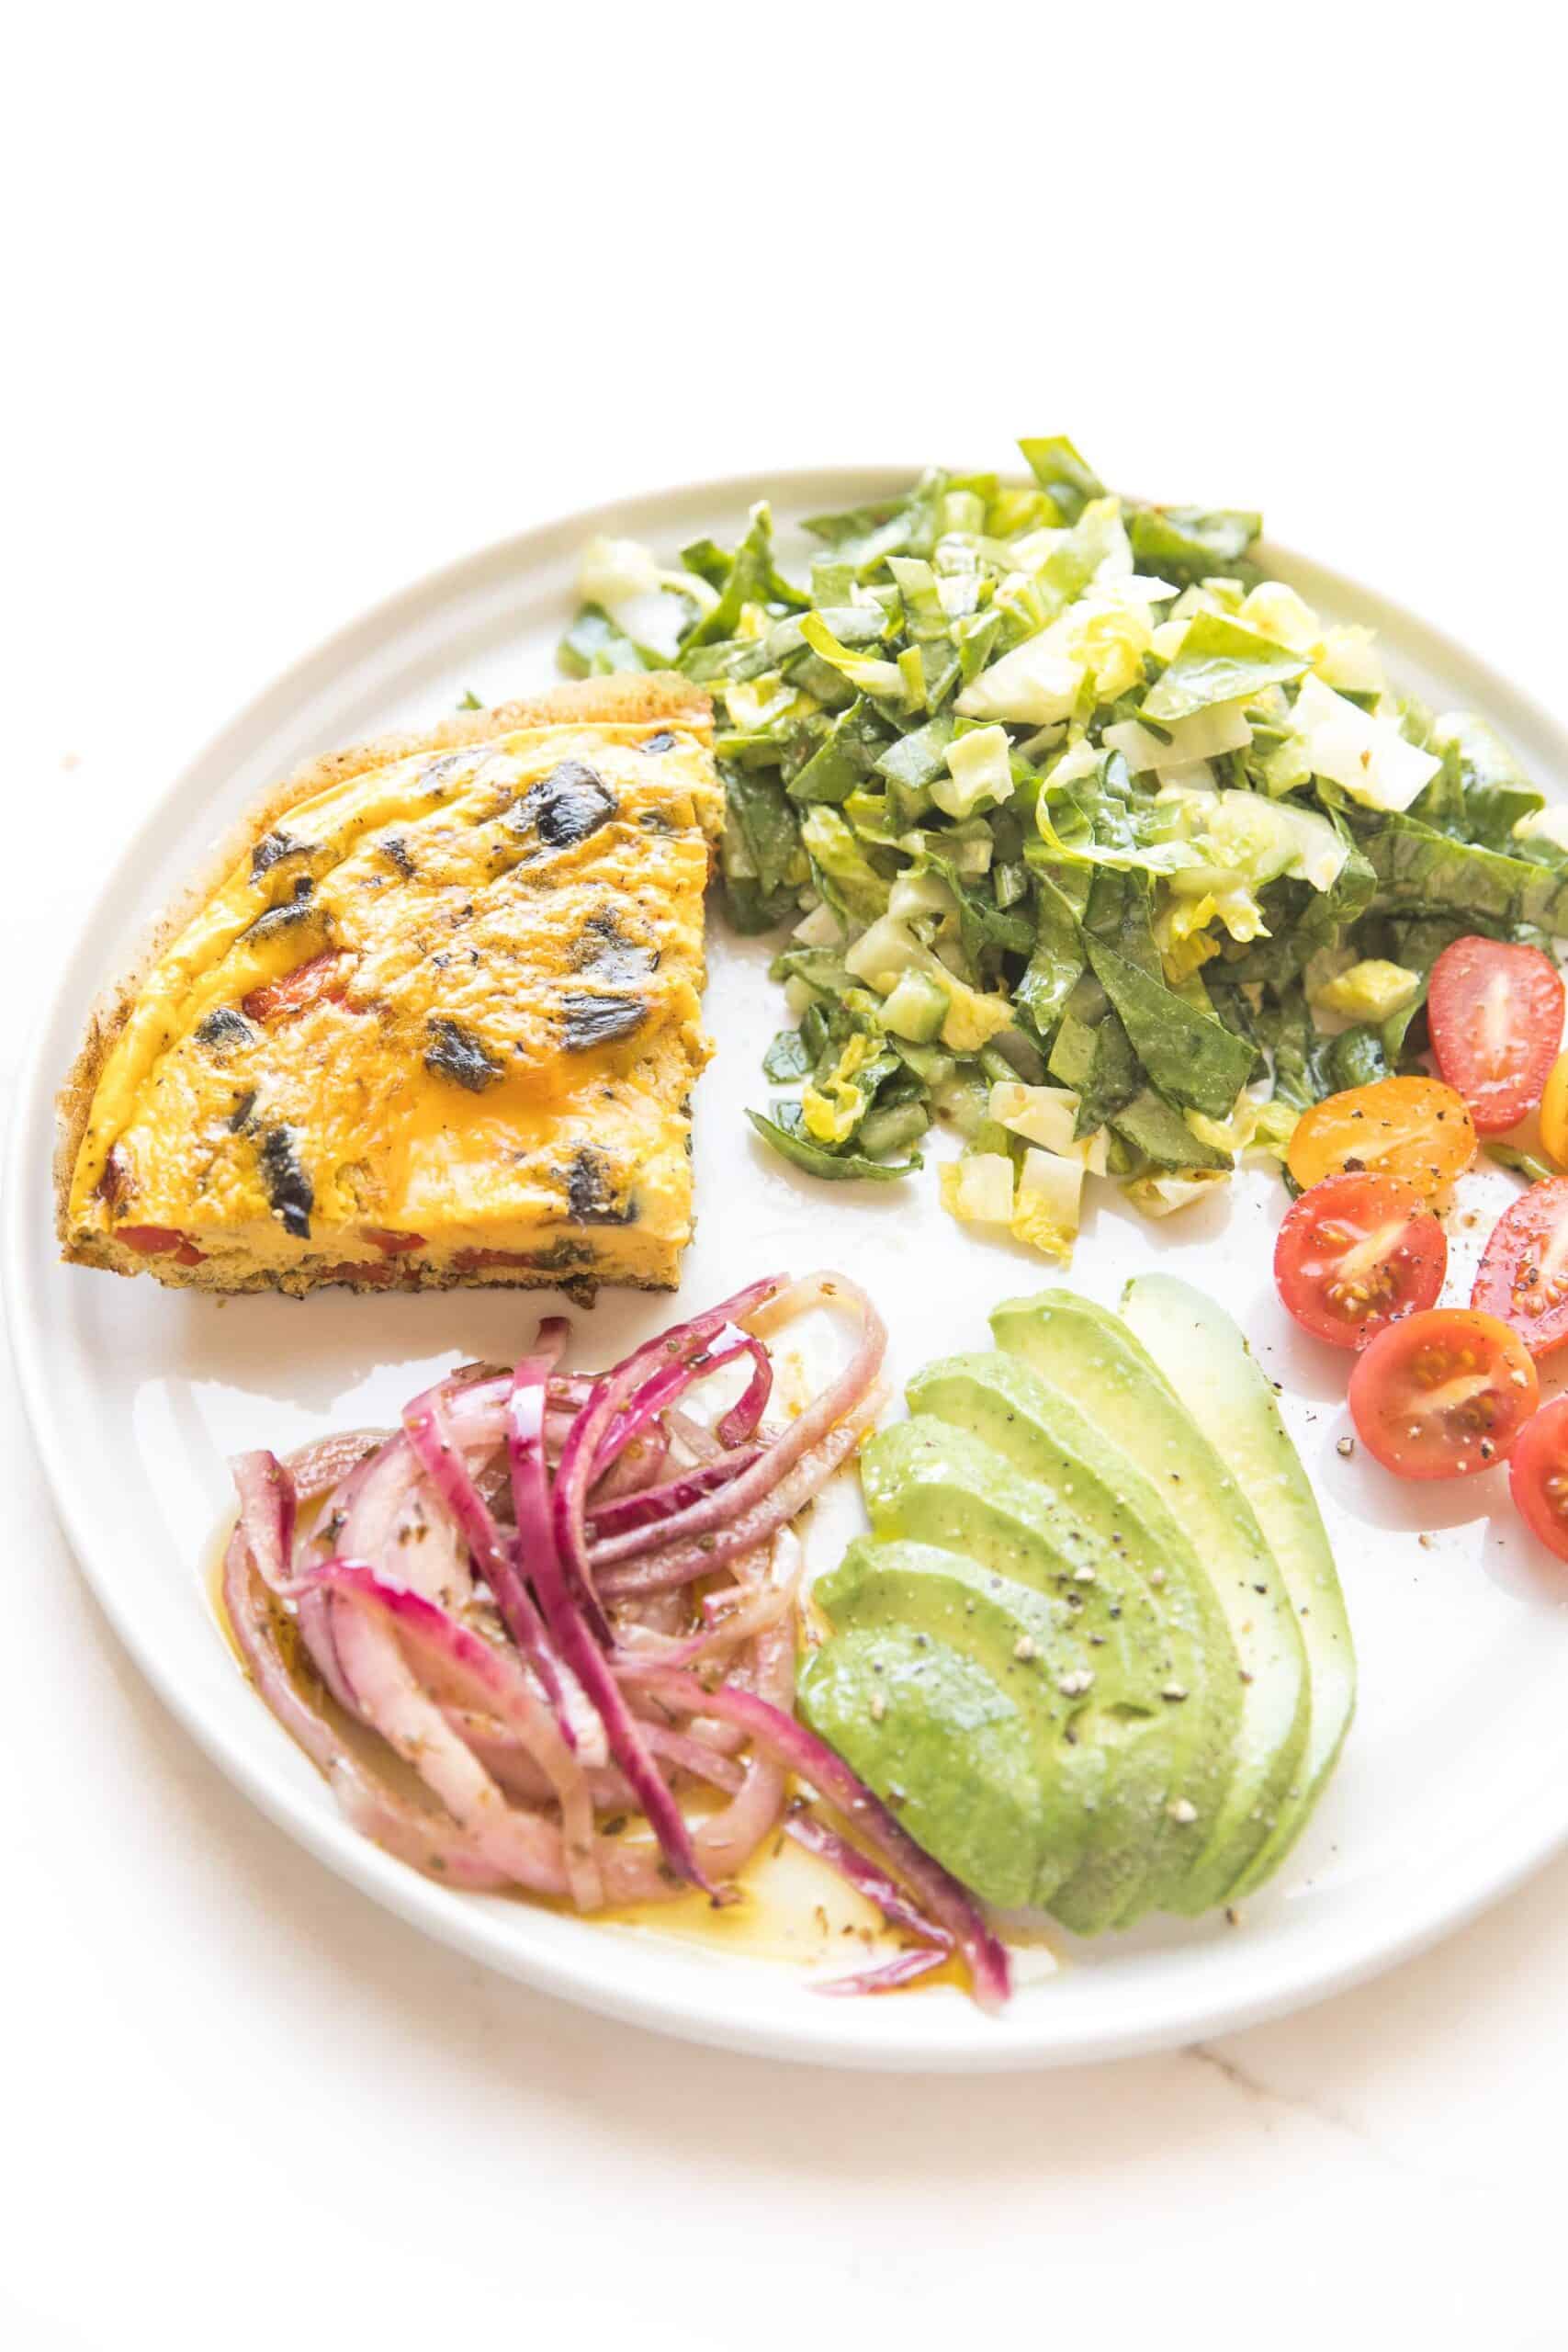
[1218, 660]
[1087, 831]
[1047, 1203]
[1367, 755]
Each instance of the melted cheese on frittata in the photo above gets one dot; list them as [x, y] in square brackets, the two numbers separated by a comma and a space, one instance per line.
[456, 997]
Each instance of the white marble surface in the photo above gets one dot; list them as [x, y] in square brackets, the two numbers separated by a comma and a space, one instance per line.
[310, 308]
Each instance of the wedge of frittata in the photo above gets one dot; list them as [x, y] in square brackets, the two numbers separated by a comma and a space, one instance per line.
[435, 1019]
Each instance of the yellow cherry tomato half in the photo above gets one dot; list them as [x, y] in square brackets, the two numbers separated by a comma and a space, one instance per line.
[1554, 1112]
[1415, 1128]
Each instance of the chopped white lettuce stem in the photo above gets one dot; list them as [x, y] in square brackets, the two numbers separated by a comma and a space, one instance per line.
[921, 894]
[1034, 685]
[979, 772]
[820, 928]
[1046, 1115]
[1046, 1212]
[1159, 1195]
[978, 1187]
[1366, 755]
[622, 576]
[1206, 735]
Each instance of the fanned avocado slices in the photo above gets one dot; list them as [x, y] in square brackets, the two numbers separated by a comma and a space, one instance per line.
[1044, 1434]
[930, 1480]
[1071, 1652]
[943, 1686]
[1089, 1355]
[1228, 1397]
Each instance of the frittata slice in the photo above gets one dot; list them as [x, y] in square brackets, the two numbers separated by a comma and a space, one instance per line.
[436, 1019]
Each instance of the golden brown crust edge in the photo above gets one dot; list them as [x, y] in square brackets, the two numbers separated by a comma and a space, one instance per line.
[627, 701]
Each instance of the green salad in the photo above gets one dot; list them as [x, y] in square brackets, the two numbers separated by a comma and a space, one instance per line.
[1094, 842]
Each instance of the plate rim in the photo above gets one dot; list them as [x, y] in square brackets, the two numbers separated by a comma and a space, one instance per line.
[947, 2034]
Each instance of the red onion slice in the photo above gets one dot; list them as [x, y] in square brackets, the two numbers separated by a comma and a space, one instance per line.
[495, 1558]
[537, 1541]
[903, 1969]
[404, 1830]
[816, 1763]
[813, 1427]
[756, 1523]
[579, 1461]
[518, 1739]
[650, 1506]
[416, 1724]
[867, 1877]
[743, 1417]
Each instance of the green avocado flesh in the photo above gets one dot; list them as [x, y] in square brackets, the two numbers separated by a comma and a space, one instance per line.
[1232, 1404]
[1090, 1352]
[1070, 1654]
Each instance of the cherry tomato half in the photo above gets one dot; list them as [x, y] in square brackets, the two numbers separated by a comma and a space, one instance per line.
[1496, 1014]
[1523, 1274]
[1442, 1394]
[1538, 1475]
[1411, 1127]
[1554, 1112]
[1355, 1253]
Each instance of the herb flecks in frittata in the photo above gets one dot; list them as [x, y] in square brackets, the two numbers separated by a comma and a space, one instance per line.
[1097, 842]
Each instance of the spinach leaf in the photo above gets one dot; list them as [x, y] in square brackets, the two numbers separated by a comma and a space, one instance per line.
[1067, 478]
[1219, 661]
[846, 756]
[1356, 1057]
[594, 647]
[841, 869]
[787, 1058]
[1495, 790]
[761, 855]
[981, 922]
[1421, 871]
[1093, 1054]
[1186, 544]
[817, 1160]
[1191, 1058]
[752, 578]
[863, 537]
[1301, 1075]
[1057, 963]
[1159, 1133]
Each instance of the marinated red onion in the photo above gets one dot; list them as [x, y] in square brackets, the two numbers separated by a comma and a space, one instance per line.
[550, 1599]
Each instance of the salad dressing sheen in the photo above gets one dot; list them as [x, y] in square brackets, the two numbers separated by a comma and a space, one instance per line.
[792, 1906]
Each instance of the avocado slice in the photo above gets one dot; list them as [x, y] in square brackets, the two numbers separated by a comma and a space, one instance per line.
[931, 1483]
[999, 1400]
[1193, 1341]
[952, 1751]
[1090, 1358]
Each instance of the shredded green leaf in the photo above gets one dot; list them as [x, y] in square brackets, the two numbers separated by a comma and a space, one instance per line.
[1068, 790]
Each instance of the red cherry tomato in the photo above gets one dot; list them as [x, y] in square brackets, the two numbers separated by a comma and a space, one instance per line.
[303, 986]
[1523, 1274]
[1442, 1394]
[1496, 1014]
[1355, 1253]
[158, 1241]
[1538, 1475]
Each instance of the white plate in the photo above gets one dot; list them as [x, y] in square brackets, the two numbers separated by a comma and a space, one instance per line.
[1455, 1780]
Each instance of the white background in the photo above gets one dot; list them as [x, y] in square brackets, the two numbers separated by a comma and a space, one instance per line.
[305, 300]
